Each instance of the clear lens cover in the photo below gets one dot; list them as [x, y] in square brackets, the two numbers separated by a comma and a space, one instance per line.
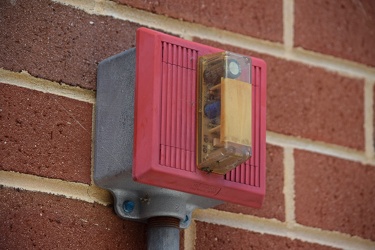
[224, 112]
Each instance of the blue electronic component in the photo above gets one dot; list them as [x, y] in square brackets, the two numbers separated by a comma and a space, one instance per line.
[212, 110]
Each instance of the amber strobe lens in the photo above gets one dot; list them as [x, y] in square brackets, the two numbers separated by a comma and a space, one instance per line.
[224, 112]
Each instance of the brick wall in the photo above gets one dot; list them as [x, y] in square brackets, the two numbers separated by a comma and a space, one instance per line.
[320, 120]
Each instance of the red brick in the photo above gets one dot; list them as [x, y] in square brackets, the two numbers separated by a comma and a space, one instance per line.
[210, 236]
[311, 102]
[58, 42]
[273, 205]
[261, 19]
[373, 107]
[45, 134]
[182, 240]
[41, 221]
[343, 29]
[335, 194]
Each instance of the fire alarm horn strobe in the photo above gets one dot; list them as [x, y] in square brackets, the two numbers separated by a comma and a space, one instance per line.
[166, 121]
[179, 125]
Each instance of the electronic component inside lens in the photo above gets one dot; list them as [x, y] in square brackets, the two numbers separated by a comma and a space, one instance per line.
[212, 110]
[234, 69]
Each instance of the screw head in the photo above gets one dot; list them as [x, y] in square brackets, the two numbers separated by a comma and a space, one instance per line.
[128, 206]
[186, 218]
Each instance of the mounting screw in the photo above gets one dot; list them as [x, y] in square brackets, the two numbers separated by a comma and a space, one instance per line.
[128, 206]
[186, 219]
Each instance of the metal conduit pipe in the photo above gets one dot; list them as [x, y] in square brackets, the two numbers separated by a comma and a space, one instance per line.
[163, 233]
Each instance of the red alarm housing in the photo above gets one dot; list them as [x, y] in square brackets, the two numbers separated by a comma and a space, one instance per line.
[165, 125]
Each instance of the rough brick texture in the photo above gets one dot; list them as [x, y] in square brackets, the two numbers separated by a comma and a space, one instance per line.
[335, 194]
[316, 104]
[273, 205]
[57, 42]
[41, 221]
[262, 19]
[212, 236]
[373, 108]
[311, 102]
[340, 28]
[45, 134]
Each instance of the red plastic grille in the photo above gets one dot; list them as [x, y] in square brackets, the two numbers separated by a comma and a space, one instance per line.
[177, 122]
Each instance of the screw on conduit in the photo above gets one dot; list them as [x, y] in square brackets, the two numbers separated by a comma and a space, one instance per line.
[128, 206]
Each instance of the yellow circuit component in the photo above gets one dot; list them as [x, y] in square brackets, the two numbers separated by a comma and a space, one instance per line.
[235, 112]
